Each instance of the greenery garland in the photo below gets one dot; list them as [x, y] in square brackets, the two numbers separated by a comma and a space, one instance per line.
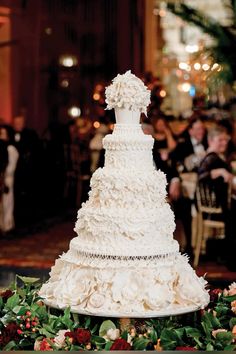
[27, 324]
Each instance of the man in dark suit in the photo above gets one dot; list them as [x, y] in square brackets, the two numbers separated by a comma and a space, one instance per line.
[26, 176]
[191, 146]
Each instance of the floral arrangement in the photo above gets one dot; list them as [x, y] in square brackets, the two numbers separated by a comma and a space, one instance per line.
[128, 91]
[26, 324]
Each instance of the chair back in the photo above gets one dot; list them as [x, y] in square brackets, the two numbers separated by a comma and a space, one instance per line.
[206, 199]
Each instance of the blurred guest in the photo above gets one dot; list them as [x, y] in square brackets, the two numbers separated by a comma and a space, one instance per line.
[192, 146]
[216, 173]
[7, 219]
[164, 138]
[26, 176]
[72, 165]
[3, 165]
[96, 146]
[227, 124]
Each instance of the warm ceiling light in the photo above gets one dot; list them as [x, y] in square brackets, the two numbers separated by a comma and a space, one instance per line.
[184, 66]
[215, 66]
[197, 66]
[192, 48]
[74, 111]
[68, 61]
[205, 67]
[65, 83]
[96, 124]
[96, 96]
[185, 87]
[163, 93]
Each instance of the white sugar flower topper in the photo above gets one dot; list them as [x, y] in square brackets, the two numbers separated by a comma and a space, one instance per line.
[129, 92]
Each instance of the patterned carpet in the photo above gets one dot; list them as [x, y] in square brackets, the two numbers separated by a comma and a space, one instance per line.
[37, 251]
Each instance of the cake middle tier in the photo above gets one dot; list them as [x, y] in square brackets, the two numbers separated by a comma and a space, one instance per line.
[125, 188]
[122, 231]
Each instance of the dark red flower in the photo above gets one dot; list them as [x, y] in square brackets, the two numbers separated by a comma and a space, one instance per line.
[80, 336]
[120, 344]
[9, 333]
[191, 349]
[214, 294]
[6, 294]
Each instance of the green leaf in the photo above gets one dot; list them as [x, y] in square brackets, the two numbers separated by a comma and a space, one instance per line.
[19, 310]
[192, 332]
[124, 335]
[209, 347]
[140, 343]
[225, 338]
[105, 326]
[232, 322]
[13, 301]
[211, 321]
[44, 331]
[94, 328]
[229, 298]
[169, 339]
[66, 320]
[230, 347]
[21, 292]
[28, 280]
[7, 318]
[1, 302]
[153, 336]
[87, 322]
[10, 345]
[108, 346]
[207, 330]
[98, 340]
[25, 343]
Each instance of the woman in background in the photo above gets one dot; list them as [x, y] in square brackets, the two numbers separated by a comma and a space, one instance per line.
[7, 217]
[216, 174]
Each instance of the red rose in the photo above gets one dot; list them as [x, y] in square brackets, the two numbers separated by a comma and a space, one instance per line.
[120, 344]
[82, 336]
[186, 348]
[214, 294]
[9, 333]
[6, 294]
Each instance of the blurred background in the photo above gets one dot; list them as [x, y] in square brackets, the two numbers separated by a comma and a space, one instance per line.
[56, 58]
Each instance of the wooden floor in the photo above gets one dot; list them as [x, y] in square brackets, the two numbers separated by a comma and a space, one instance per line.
[36, 253]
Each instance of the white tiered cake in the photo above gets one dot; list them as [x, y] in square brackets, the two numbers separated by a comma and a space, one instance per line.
[124, 261]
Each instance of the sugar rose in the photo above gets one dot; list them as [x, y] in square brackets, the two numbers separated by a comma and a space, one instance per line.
[120, 344]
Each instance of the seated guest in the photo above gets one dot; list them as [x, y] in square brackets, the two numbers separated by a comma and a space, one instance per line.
[192, 145]
[7, 219]
[216, 173]
[164, 138]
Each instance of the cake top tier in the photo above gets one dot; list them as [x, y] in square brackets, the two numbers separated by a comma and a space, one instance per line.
[128, 92]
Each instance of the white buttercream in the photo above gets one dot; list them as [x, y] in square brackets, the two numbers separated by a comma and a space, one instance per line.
[124, 260]
[129, 92]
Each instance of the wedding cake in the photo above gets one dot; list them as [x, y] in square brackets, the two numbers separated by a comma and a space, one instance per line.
[124, 261]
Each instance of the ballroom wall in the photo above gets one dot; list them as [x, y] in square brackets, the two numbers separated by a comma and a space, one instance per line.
[106, 36]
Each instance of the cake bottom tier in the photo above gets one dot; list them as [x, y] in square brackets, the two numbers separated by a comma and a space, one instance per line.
[162, 290]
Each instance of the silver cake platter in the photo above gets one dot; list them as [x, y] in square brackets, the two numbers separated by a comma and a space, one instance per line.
[149, 314]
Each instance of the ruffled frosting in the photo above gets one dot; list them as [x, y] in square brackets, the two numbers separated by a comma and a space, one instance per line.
[164, 289]
[124, 261]
[128, 91]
